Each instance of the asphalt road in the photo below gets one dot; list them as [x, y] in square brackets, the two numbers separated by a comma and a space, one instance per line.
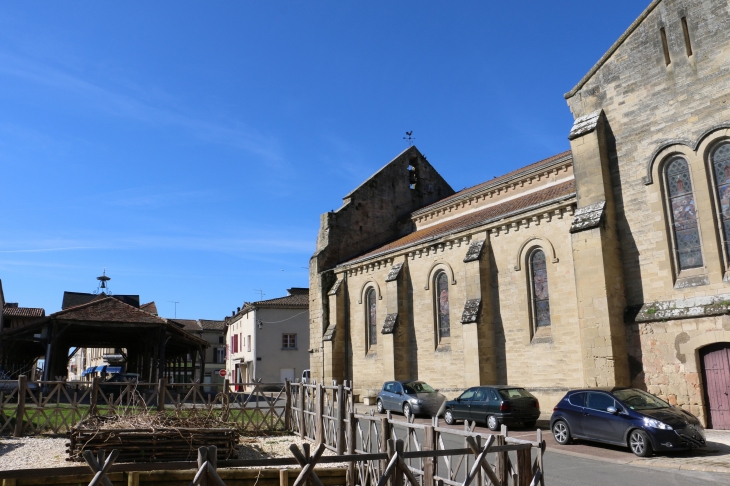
[571, 470]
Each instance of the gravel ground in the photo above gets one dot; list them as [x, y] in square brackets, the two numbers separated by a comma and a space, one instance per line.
[32, 452]
[38, 452]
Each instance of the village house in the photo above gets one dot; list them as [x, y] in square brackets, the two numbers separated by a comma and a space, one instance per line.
[268, 340]
[607, 264]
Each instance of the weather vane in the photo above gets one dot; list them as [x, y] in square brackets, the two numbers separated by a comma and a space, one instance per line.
[409, 138]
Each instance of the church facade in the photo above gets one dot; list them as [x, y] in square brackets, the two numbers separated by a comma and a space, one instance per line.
[608, 264]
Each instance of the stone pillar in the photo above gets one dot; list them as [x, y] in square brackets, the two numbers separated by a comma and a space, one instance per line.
[394, 350]
[478, 333]
[597, 258]
[334, 337]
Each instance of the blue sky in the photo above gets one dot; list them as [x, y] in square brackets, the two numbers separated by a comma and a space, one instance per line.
[190, 147]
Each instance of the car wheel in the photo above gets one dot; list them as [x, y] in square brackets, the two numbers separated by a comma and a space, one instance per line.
[529, 424]
[407, 410]
[379, 406]
[561, 432]
[640, 443]
[492, 422]
[449, 417]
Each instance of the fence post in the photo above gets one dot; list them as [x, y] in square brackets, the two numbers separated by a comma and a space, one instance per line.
[384, 437]
[524, 467]
[501, 461]
[302, 420]
[22, 382]
[398, 473]
[94, 397]
[352, 439]
[287, 409]
[161, 392]
[133, 478]
[429, 444]
[319, 423]
[340, 428]
[283, 476]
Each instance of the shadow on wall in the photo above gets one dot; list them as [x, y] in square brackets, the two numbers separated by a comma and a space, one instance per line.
[500, 353]
[411, 325]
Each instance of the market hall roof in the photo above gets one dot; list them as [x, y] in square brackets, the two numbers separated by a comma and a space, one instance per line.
[73, 299]
[489, 214]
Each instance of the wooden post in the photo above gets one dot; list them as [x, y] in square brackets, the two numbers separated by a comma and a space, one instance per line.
[20, 411]
[94, 396]
[340, 427]
[284, 476]
[287, 409]
[384, 438]
[133, 478]
[351, 440]
[524, 467]
[501, 461]
[398, 480]
[302, 420]
[429, 444]
[319, 422]
[161, 392]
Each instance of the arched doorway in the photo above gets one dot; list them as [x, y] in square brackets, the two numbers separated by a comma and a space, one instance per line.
[715, 361]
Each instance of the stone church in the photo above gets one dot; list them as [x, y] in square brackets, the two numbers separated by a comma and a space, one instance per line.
[608, 264]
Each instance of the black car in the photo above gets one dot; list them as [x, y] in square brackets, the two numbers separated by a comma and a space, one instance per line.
[108, 388]
[494, 405]
[409, 397]
[627, 417]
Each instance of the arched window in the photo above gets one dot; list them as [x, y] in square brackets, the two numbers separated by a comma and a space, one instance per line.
[721, 169]
[540, 294]
[442, 305]
[684, 215]
[372, 317]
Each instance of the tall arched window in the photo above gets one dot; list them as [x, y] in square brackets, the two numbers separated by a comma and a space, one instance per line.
[372, 318]
[540, 294]
[442, 305]
[684, 215]
[721, 168]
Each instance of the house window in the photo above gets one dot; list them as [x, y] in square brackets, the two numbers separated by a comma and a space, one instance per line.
[288, 341]
[684, 215]
[721, 169]
[220, 355]
[248, 345]
[371, 317]
[442, 305]
[540, 294]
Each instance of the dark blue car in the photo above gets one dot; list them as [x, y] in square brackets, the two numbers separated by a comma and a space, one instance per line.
[626, 417]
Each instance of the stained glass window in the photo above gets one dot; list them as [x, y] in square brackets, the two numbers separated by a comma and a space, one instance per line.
[442, 296]
[540, 295]
[372, 318]
[721, 166]
[684, 215]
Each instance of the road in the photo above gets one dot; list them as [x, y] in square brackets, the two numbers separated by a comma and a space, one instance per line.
[575, 470]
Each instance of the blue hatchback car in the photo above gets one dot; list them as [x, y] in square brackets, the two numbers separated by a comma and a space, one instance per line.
[626, 417]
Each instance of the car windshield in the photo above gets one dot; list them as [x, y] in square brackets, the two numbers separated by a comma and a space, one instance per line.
[418, 387]
[514, 393]
[640, 400]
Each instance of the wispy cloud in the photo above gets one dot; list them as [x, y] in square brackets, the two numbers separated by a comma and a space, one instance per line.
[147, 109]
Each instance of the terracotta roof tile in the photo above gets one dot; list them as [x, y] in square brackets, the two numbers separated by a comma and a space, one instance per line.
[190, 325]
[109, 309]
[495, 181]
[23, 312]
[212, 325]
[478, 217]
[298, 298]
[150, 307]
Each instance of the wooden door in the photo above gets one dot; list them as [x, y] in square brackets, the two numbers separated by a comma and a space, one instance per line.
[716, 367]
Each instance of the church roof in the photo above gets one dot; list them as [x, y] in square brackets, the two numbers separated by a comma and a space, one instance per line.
[496, 181]
[484, 216]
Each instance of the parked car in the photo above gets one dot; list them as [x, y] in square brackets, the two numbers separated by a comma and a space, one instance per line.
[627, 417]
[494, 405]
[409, 397]
[107, 388]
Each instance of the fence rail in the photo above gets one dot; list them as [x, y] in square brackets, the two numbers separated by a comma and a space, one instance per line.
[55, 407]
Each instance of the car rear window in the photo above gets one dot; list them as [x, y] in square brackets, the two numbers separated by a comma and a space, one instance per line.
[515, 393]
[577, 399]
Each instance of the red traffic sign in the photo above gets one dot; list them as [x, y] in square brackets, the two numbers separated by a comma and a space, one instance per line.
[222, 372]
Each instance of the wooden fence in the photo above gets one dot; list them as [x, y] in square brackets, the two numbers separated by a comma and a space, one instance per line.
[55, 407]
